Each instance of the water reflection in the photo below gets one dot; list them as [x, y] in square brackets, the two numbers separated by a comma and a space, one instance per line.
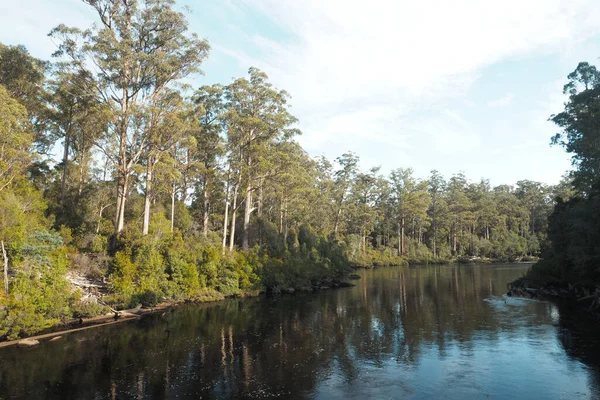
[430, 332]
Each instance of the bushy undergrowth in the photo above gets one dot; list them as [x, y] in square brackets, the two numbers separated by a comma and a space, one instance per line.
[40, 295]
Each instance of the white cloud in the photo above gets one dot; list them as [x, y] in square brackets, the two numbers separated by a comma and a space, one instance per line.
[397, 75]
[28, 22]
[346, 60]
[502, 101]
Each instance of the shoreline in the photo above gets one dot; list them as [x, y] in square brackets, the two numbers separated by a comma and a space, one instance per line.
[584, 298]
[131, 314]
[119, 316]
[94, 322]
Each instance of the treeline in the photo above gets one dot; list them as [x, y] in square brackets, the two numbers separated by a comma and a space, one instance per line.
[165, 192]
[573, 259]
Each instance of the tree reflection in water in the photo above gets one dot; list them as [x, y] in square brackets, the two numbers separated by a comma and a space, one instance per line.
[417, 332]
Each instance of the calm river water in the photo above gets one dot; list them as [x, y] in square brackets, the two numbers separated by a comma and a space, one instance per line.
[438, 332]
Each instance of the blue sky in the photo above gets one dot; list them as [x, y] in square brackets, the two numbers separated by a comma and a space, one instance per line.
[466, 85]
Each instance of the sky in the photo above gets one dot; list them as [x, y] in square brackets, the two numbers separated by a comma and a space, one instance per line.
[458, 86]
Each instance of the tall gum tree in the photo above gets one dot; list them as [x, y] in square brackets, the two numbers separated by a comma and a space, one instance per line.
[257, 116]
[24, 78]
[15, 142]
[79, 119]
[343, 181]
[137, 49]
[210, 111]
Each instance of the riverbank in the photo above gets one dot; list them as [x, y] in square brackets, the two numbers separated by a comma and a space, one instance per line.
[582, 296]
[92, 290]
[118, 316]
[264, 348]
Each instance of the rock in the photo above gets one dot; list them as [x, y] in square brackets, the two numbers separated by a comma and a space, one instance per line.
[55, 338]
[346, 284]
[290, 290]
[306, 289]
[353, 276]
[323, 287]
[27, 343]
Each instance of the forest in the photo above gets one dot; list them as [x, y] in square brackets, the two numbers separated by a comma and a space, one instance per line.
[115, 170]
[573, 259]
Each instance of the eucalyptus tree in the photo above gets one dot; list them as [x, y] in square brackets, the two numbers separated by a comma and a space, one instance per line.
[210, 109]
[485, 209]
[580, 131]
[364, 200]
[534, 196]
[79, 119]
[321, 215]
[165, 124]
[342, 182]
[24, 78]
[574, 226]
[15, 139]
[437, 186]
[135, 51]
[15, 142]
[410, 200]
[257, 117]
[460, 208]
[289, 182]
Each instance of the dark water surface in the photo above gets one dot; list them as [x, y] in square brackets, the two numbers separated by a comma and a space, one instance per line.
[439, 332]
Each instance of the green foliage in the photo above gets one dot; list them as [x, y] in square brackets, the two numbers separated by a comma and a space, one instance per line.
[574, 226]
[181, 183]
[40, 295]
[99, 244]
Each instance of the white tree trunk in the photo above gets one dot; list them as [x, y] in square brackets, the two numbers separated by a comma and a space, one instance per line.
[5, 258]
[147, 199]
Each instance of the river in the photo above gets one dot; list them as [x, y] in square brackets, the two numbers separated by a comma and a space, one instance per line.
[435, 332]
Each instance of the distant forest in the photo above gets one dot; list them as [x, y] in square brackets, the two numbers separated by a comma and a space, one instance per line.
[164, 192]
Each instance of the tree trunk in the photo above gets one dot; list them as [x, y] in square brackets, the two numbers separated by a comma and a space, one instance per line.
[259, 207]
[63, 184]
[225, 220]
[434, 233]
[205, 214]
[233, 216]
[173, 191]
[337, 220]
[454, 239]
[399, 241]
[147, 199]
[402, 238]
[225, 224]
[285, 230]
[472, 240]
[82, 162]
[5, 258]
[247, 213]
[121, 199]
[100, 219]
[281, 216]
[122, 166]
